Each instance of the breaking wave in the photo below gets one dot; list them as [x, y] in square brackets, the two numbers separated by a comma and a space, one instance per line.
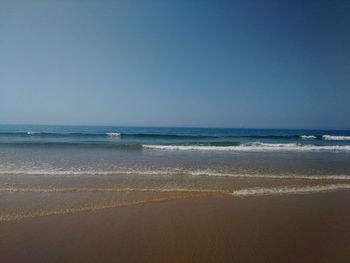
[32, 133]
[253, 147]
[113, 134]
[308, 137]
[336, 138]
[166, 172]
[175, 135]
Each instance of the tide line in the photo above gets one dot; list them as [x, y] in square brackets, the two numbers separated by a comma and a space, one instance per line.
[290, 190]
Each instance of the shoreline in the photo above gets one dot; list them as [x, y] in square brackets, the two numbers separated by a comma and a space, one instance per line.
[307, 228]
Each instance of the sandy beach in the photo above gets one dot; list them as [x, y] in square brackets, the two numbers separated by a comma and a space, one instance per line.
[280, 228]
[174, 131]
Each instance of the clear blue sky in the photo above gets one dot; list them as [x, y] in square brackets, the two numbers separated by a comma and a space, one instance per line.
[268, 64]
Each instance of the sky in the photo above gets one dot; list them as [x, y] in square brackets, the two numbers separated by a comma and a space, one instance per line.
[243, 64]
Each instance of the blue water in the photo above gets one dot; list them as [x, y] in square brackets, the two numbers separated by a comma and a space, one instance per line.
[94, 149]
[49, 170]
[126, 138]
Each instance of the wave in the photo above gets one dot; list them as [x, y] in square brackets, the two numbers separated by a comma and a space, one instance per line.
[290, 190]
[51, 134]
[170, 136]
[167, 136]
[107, 134]
[113, 134]
[308, 137]
[335, 138]
[253, 147]
[273, 176]
[167, 172]
[196, 146]
[32, 133]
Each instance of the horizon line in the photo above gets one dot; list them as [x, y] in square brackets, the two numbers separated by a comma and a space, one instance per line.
[165, 126]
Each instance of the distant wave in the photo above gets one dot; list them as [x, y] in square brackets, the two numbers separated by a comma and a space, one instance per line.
[336, 138]
[252, 147]
[123, 135]
[51, 134]
[32, 133]
[107, 134]
[308, 137]
[113, 134]
[170, 136]
[166, 136]
[57, 134]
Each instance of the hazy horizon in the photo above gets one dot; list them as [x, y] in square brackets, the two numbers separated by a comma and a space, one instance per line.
[213, 64]
[161, 126]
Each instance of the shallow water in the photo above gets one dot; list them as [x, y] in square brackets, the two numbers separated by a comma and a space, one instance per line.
[47, 170]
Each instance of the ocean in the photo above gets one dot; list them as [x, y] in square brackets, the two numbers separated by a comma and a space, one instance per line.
[38, 149]
[52, 170]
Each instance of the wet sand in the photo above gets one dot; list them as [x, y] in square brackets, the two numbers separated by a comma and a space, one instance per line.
[288, 228]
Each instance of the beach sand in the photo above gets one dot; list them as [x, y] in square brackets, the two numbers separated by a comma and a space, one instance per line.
[280, 228]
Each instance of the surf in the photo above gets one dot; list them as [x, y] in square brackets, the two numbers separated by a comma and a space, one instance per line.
[253, 147]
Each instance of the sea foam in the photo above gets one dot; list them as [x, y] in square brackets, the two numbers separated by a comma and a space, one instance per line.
[308, 137]
[167, 172]
[336, 138]
[290, 190]
[253, 147]
[32, 133]
[113, 134]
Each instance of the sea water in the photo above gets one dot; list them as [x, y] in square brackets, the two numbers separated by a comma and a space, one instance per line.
[91, 149]
[57, 170]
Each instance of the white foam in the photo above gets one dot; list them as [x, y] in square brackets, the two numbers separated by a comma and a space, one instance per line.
[308, 137]
[273, 176]
[32, 133]
[113, 134]
[169, 172]
[253, 147]
[336, 138]
[241, 192]
[290, 190]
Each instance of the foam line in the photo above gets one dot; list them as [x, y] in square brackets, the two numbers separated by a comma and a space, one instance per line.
[290, 190]
[308, 137]
[336, 138]
[253, 147]
[113, 134]
[273, 176]
[171, 173]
